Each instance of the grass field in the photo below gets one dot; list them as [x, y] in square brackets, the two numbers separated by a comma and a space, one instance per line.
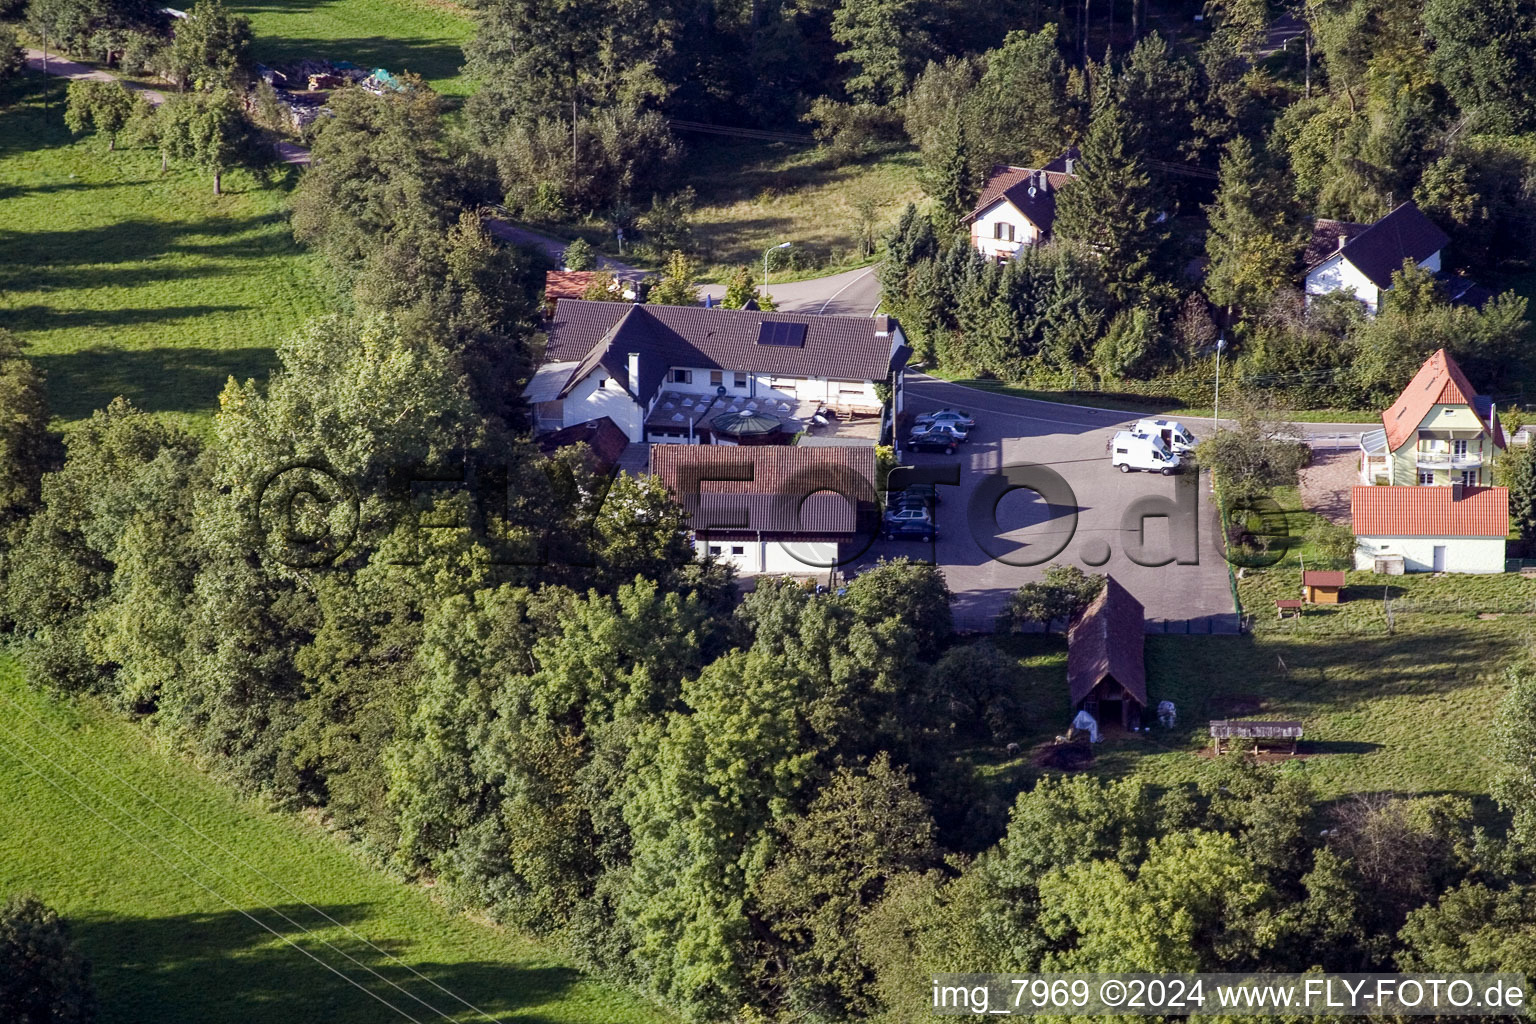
[127, 282]
[196, 906]
[423, 36]
[1405, 711]
[753, 195]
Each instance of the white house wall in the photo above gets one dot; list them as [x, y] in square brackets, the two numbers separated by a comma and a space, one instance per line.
[1340, 275]
[600, 395]
[1462, 554]
[984, 231]
[753, 557]
[785, 388]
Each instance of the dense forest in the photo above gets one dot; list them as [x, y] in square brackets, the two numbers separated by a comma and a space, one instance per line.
[367, 593]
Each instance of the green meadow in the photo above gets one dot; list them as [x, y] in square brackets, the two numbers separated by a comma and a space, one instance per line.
[196, 905]
[126, 281]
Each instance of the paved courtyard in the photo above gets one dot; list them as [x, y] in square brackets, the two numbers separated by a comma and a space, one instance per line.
[1086, 524]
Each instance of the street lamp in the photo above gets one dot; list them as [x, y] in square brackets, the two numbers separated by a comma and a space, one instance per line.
[781, 245]
[1221, 343]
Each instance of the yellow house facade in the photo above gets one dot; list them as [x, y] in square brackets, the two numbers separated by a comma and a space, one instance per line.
[1439, 432]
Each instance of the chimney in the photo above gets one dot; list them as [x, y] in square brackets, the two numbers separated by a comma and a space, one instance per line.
[1456, 492]
[1044, 181]
[634, 372]
[1070, 164]
[1343, 240]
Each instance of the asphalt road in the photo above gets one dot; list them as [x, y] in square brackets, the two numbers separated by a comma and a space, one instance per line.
[1172, 563]
[851, 293]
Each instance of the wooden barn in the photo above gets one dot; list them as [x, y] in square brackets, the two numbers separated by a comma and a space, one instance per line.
[1106, 670]
[1320, 587]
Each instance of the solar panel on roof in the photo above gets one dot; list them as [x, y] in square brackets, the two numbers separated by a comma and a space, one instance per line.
[773, 332]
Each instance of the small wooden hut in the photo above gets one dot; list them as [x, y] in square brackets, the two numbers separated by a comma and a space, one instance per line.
[1226, 731]
[1319, 587]
[1106, 671]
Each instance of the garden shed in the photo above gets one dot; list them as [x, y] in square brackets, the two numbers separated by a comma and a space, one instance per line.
[1106, 670]
[1319, 587]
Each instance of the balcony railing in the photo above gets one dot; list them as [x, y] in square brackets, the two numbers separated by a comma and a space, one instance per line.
[1448, 460]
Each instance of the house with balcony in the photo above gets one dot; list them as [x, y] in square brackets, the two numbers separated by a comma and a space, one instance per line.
[691, 375]
[1439, 432]
[1424, 502]
[1018, 207]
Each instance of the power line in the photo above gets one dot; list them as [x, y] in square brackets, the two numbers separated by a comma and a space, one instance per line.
[740, 133]
[183, 871]
[243, 862]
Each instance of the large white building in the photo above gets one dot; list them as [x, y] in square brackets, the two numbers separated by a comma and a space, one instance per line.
[667, 373]
[1432, 529]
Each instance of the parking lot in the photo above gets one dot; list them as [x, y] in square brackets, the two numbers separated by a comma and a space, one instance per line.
[1083, 522]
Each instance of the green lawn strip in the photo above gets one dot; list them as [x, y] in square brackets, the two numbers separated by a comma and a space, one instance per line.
[128, 282]
[1406, 711]
[165, 943]
[1145, 406]
[422, 36]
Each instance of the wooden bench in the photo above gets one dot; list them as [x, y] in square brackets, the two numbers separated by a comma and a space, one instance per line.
[1292, 605]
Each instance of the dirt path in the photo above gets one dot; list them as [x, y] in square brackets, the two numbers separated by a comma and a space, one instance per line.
[53, 64]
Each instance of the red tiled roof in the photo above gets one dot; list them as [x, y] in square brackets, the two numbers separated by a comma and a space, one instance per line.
[592, 334]
[566, 284]
[1322, 578]
[1108, 639]
[1429, 511]
[1324, 242]
[1438, 382]
[773, 489]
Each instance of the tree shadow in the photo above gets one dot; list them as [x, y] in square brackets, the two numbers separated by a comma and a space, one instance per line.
[156, 379]
[225, 966]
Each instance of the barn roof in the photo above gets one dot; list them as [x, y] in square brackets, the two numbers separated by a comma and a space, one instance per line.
[602, 436]
[1108, 639]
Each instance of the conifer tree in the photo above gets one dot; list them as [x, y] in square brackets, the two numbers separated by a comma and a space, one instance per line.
[1112, 207]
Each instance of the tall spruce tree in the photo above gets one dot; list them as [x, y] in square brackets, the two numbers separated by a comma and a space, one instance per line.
[1249, 245]
[1112, 207]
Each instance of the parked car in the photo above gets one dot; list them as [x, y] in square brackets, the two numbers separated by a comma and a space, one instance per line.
[933, 442]
[908, 515]
[909, 524]
[924, 494]
[1176, 436]
[946, 429]
[1146, 452]
[955, 416]
[913, 530]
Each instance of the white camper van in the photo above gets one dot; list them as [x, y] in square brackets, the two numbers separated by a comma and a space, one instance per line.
[1130, 451]
[1176, 437]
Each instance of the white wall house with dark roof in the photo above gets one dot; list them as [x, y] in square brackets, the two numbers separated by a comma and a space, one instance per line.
[621, 361]
[1017, 207]
[1366, 257]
